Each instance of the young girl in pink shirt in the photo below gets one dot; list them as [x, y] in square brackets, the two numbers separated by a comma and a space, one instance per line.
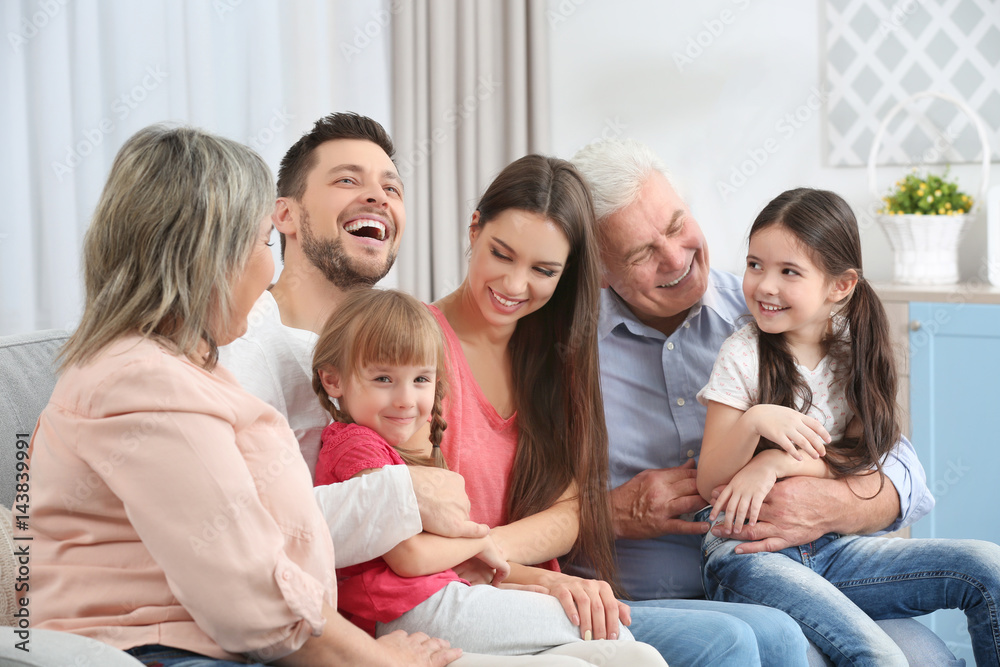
[381, 357]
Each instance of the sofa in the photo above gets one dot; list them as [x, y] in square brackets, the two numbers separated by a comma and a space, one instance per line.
[27, 375]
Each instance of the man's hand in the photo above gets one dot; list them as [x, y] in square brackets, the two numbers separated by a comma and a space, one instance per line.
[802, 509]
[444, 507]
[649, 504]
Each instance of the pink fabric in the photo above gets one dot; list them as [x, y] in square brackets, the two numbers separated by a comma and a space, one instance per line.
[370, 592]
[478, 443]
[169, 506]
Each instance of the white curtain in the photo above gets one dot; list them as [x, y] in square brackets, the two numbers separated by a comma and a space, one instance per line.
[78, 77]
[470, 94]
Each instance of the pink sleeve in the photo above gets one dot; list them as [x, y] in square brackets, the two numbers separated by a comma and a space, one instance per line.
[348, 449]
[167, 449]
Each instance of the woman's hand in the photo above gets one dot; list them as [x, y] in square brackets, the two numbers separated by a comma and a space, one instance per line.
[343, 643]
[589, 604]
[417, 649]
[743, 496]
[790, 430]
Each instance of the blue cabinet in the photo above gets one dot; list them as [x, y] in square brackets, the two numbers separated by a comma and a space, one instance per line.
[955, 416]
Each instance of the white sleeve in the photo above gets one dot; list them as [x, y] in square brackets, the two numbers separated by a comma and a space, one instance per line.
[734, 378]
[246, 360]
[369, 515]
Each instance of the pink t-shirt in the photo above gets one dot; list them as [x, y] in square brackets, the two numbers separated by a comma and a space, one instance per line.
[370, 592]
[478, 443]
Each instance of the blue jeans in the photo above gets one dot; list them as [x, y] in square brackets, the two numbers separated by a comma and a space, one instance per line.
[165, 656]
[702, 632]
[835, 587]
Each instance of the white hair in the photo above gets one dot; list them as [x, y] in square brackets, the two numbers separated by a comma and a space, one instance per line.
[616, 170]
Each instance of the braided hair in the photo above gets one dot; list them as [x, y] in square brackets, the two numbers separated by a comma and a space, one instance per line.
[383, 327]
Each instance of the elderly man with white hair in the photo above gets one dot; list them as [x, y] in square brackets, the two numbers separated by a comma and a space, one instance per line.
[664, 315]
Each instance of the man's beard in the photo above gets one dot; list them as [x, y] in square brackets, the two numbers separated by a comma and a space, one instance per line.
[329, 257]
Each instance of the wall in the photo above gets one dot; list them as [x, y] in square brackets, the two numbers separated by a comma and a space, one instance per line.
[719, 89]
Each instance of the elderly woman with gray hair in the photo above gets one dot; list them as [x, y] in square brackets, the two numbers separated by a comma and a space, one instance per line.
[194, 538]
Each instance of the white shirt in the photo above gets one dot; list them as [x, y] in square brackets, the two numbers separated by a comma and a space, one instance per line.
[735, 376]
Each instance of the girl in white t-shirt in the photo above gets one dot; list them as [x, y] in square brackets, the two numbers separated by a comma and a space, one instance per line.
[809, 388]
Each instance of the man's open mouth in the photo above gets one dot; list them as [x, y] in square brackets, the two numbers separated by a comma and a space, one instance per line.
[367, 228]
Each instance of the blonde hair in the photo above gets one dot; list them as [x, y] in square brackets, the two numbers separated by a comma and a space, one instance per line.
[174, 226]
[373, 326]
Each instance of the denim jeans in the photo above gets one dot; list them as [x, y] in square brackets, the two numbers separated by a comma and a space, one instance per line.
[165, 656]
[703, 632]
[835, 587]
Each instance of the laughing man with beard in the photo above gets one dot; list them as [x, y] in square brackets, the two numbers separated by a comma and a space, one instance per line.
[340, 214]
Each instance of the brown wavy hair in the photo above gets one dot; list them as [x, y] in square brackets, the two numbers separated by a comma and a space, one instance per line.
[373, 326]
[554, 366]
[862, 351]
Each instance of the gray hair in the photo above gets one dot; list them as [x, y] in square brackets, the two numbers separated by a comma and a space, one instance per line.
[616, 170]
[174, 226]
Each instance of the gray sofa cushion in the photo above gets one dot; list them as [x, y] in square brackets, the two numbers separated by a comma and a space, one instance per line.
[27, 375]
[60, 649]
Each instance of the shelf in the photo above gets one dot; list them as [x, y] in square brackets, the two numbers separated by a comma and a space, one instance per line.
[958, 293]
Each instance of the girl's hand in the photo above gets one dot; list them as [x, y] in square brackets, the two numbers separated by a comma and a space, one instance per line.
[790, 430]
[487, 567]
[494, 559]
[589, 604]
[475, 571]
[743, 496]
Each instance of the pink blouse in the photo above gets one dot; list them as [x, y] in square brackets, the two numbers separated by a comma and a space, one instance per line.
[169, 506]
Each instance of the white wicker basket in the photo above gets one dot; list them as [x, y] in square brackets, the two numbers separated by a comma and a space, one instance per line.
[925, 247]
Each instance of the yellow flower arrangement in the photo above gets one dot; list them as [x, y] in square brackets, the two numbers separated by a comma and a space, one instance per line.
[928, 195]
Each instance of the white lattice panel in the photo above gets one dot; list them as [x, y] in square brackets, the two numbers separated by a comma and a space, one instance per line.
[880, 52]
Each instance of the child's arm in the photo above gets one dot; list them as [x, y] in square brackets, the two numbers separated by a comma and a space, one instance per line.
[560, 525]
[745, 493]
[427, 553]
[732, 435]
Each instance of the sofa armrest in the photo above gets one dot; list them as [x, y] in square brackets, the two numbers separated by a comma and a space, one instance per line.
[27, 375]
[48, 648]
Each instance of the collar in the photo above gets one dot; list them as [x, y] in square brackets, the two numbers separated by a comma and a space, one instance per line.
[615, 312]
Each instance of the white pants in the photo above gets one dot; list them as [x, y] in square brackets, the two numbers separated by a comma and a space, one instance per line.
[515, 624]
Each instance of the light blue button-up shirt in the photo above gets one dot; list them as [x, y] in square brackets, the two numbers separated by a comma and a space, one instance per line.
[650, 383]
